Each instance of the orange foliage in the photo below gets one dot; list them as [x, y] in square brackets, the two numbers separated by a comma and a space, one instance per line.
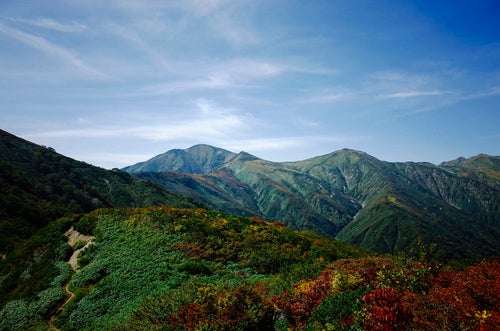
[223, 308]
[452, 300]
[384, 310]
[304, 298]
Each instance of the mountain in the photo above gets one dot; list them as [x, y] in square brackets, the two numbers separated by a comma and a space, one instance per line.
[350, 195]
[483, 165]
[174, 268]
[38, 185]
[198, 159]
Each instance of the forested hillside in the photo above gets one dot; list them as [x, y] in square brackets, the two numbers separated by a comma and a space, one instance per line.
[38, 185]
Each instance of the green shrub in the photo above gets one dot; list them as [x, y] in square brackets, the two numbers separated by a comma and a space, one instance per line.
[337, 310]
[195, 268]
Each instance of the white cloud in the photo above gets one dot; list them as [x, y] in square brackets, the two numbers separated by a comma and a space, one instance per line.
[180, 86]
[202, 7]
[108, 160]
[412, 94]
[235, 32]
[385, 82]
[327, 98]
[243, 70]
[233, 73]
[491, 92]
[47, 23]
[306, 143]
[53, 50]
[207, 121]
[229, 20]
[136, 39]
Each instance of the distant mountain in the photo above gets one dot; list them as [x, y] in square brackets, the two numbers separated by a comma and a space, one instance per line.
[349, 194]
[198, 159]
[38, 185]
[481, 164]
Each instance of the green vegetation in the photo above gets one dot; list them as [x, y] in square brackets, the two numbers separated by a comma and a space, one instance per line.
[165, 268]
[38, 185]
[141, 254]
[32, 278]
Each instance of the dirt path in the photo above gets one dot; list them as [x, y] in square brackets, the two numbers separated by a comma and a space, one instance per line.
[73, 237]
[59, 310]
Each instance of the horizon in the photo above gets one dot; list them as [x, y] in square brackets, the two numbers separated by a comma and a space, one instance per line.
[117, 83]
[315, 156]
[243, 151]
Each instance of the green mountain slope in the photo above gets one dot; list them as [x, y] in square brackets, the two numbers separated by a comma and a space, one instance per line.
[481, 166]
[357, 198]
[146, 264]
[37, 185]
[199, 159]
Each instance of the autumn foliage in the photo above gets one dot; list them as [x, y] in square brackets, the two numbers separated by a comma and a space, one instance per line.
[450, 300]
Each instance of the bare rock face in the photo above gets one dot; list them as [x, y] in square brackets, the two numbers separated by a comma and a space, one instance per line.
[74, 237]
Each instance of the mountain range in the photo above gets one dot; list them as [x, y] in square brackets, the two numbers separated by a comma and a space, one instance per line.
[84, 248]
[348, 194]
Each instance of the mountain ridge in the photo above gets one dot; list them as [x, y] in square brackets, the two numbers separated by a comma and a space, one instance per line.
[351, 195]
[199, 158]
[38, 185]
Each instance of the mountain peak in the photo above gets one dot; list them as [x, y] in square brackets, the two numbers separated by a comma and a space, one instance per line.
[204, 148]
[244, 156]
[453, 163]
[197, 159]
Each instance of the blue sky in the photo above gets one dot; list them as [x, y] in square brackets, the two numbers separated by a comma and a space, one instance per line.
[116, 82]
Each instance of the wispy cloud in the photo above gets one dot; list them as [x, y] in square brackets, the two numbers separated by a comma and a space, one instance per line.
[235, 32]
[211, 122]
[490, 92]
[225, 20]
[138, 42]
[407, 83]
[48, 23]
[412, 94]
[202, 7]
[53, 50]
[207, 121]
[198, 7]
[246, 69]
[235, 73]
[327, 97]
[279, 148]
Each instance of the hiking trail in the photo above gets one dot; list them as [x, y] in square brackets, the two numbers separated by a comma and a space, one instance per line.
[73, 237]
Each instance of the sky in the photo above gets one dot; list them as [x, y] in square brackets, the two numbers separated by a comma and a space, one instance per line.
[116, 82]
